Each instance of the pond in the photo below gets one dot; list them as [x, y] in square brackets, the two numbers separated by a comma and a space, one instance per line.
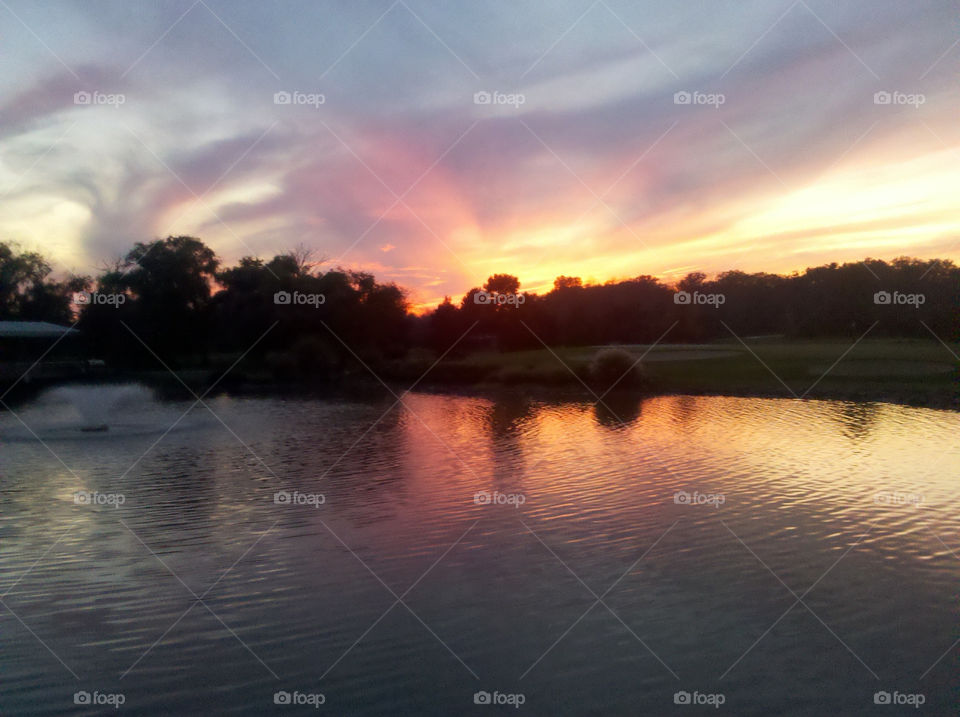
[302, 555]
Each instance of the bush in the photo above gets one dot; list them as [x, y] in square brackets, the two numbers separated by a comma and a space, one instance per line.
[615, 368]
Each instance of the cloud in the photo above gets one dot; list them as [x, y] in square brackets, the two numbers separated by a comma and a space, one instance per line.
[49, 96]
[599, 167]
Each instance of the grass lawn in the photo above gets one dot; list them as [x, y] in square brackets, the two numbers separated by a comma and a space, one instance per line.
[909, 371]
[903, 370]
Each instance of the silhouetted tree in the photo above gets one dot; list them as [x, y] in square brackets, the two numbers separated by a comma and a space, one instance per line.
[337, 316]
[445, 325]
[28, 293]
[306, 321]
[167, 284]
[567, 282]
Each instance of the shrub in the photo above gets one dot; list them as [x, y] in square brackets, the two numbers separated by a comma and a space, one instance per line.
[615, 368]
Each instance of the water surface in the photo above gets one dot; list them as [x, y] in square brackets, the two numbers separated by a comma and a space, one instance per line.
[795, 557]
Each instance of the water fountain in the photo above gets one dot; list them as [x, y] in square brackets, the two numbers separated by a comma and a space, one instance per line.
[102, 417]
[108, 411]
[97, 405]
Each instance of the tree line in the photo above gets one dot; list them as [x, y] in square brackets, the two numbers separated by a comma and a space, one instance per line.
[172, 298]
[905, 297]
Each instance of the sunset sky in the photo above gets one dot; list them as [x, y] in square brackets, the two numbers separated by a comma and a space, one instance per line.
[600, 172]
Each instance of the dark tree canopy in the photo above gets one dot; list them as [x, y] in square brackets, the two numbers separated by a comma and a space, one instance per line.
[830, 300]
[168, 284]
[502, 284]
[28, 293]
[567, 282]
[180, 305]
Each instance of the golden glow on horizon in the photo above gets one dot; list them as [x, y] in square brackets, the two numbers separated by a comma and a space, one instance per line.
[921, 188]
[888, 209]
[881, 209]
[49, 224]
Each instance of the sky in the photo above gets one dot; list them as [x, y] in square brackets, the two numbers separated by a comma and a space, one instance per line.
[435, 143]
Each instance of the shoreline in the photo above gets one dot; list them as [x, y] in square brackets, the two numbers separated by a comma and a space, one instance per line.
[352, 385]
[582, 395]
[883, 370]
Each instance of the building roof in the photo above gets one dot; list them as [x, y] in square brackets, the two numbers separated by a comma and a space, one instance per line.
[33, 330]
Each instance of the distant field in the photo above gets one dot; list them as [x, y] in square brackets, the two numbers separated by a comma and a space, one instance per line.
[908, 371]
[911, 371]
